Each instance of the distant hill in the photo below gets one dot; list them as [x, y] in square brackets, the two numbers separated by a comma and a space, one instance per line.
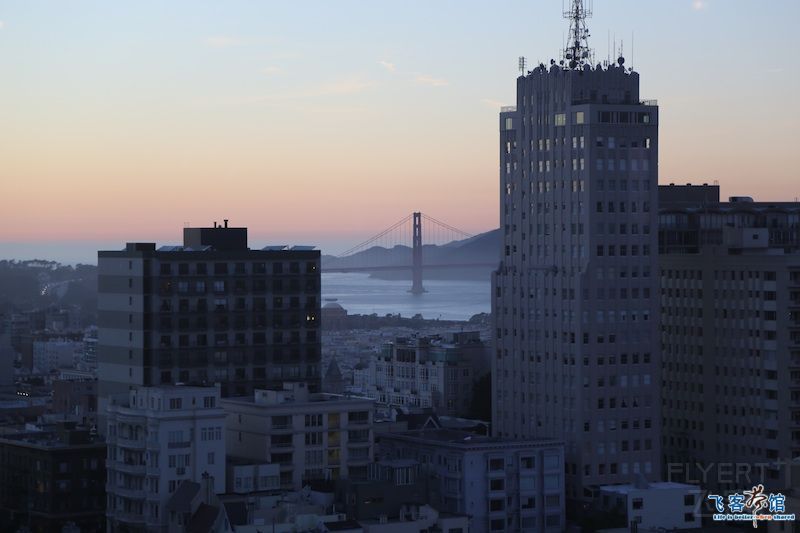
[481, 249]
[32, 284]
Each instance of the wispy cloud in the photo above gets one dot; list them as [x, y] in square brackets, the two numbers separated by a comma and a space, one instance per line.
[699, 5]
[424, 79]
[271, 70]
[2, 24]
[223, 41]
[388, 65]
[492, 103]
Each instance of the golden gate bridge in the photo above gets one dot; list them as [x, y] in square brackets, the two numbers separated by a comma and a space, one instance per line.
[402, 246]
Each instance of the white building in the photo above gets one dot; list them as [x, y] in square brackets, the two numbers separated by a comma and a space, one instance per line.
[49, 355]
[657, 505]
[310, 435]
[158, 437]
[433, 371]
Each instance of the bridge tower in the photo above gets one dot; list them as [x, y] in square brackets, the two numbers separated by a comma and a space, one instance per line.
[416, 256]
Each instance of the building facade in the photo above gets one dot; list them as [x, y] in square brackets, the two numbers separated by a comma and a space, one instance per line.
[311, 435]
[52, 354]
[210, 311]
[52, 477]
[504, 485]
[437, 372]
[730, 284]
[575, 299]
[157, 438]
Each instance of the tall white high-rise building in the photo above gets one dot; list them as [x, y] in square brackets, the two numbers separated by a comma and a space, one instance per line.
[575, 300]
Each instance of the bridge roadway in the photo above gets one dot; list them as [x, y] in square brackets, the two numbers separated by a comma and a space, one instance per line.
[409, 267]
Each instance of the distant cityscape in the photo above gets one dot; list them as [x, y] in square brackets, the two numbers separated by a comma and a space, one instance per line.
[618, 355]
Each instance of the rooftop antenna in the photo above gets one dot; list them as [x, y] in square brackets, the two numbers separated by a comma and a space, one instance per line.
[577, 51]
[522, 64]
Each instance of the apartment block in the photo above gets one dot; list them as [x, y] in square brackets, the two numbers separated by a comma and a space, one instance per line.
[312, 436]
[730, 293]
[209, 311]
[503, 484]
[159, 437]
[437, 372]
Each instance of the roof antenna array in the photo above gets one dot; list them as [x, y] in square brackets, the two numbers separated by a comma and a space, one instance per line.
[577, 52]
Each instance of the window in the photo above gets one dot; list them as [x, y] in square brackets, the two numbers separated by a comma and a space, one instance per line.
[561, 119]
[580, 118]
[496, 464]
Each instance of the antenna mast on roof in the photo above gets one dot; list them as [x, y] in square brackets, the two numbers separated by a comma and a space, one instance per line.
[577, 51]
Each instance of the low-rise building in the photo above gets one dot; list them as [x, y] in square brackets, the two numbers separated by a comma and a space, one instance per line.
[503, 485]
[652, 506]
[437, 371]
[310, 435]
[51, 477]
[159, 437]
[55, 353]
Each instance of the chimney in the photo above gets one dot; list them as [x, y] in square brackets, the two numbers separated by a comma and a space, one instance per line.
[215, 223]
[226, 222]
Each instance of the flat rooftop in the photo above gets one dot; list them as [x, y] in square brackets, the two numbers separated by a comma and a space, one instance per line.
[655, 485]
[465, 438]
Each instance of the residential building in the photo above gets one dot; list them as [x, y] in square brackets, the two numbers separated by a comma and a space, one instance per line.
[159, 437]
[77, 397]
[502, 484]
[244, 477]
[51, 476]
[210, 311]
[659, 506]
[89, 356]
[730, 294]
[310, 435]
[437, 371]
[54, 353]
[575, 299]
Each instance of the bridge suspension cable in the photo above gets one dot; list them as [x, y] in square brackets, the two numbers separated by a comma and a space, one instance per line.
[400, 234]
[374, 238]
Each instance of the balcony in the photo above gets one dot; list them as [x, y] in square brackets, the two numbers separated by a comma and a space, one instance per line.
[128, 467]
[126, 492]
[126, 517]
[132, 443]
[173, 445]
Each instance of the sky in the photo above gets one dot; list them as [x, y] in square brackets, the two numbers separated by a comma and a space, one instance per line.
[323, 122]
